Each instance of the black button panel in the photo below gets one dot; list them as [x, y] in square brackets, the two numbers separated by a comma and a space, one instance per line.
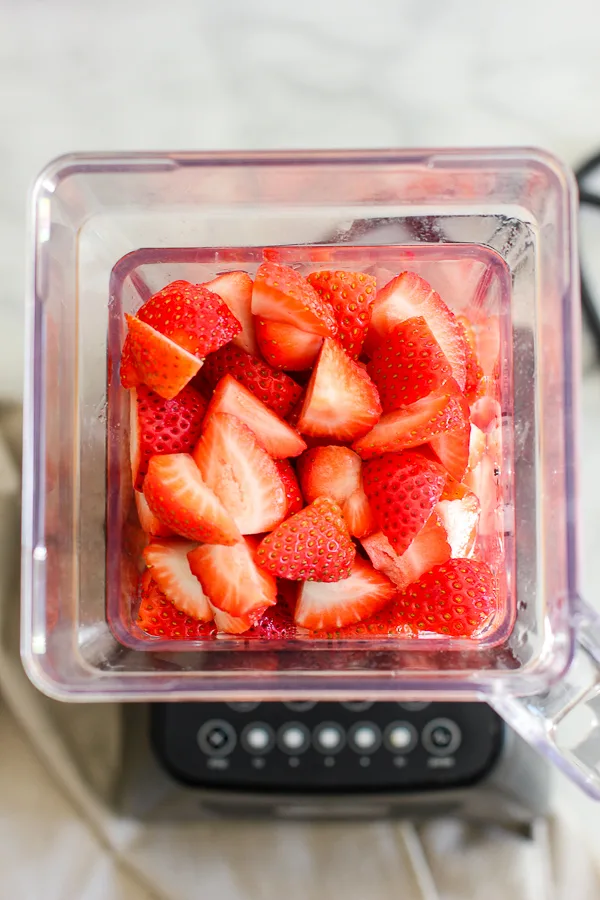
[307, 746]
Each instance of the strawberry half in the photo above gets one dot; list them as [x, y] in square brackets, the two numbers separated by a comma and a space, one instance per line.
[409, 427]
[158, 617]
[451, 446]
[282, 295]
[286, 347]
[403, 489]
[460, 518]
[429, 548]
[159, 363]
[235, 288]
[457, 599]
[169, 567]
[351, 296]
[159, 426]
[335, 472]
[177, 495]
[323, 605]
[275, 389]
[275, 435]
[148, 521]
[295, 501]
[312, 545]
[192, 316]
[407, 296]
[358, 515]
[241, 473]
[232, 580]
[341, 401]
[407, 365]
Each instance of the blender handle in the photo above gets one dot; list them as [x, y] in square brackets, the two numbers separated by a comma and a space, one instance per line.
[563, 722]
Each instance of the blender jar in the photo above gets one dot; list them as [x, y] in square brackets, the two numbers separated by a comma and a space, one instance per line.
[492, 230]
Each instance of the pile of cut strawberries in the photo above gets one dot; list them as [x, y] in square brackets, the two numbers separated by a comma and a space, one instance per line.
[311, 458]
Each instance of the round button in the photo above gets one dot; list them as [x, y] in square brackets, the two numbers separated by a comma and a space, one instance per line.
[247, 706]
[329, 737]
[300, 705]
[258, 738]
[216, 738]
[364, 737]
[442, 737]
[293, 738]
[357, 705]
[400, 737]
[415, 706]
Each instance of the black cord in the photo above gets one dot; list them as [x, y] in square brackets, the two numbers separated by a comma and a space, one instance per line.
[588, 198]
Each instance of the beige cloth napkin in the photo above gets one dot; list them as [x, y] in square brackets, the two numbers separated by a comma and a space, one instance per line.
[60, 839]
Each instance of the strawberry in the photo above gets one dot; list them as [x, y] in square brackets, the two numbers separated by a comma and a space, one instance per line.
[295, 501]
[313, 545]
[177, 495]
[159, 363]
[228, 624]
[457, 599]
[414, 425]
[323, 605]
[282, 295]
[351, 296]
[168, 564]
[341, 401]
[241, 473]
[407, 365]
[159, 426]
[403, 489]
[486, 414]
[148, 521]
[275, 389]
[429, 548]
[130, 377]
[452, 446]
[286, 347]
[333, 472]
[192, 316]
[407, 296]
[158, 617]
[358, 515]
[275, 435]
[460, 518]
[473, 371]
[477, 443]
[235, 288]
[232, 580]
[276, 623]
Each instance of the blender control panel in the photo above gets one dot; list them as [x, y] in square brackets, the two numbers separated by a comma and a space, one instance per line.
[310, 746]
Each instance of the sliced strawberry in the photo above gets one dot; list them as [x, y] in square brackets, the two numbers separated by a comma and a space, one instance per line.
[276, 623]
[403, 489]
[160, 363]
[457, 599]
[129, 375]
[486, 414]
[286, 347]
[275, 389]
[158, 426]
[407, 296]
[351, 296]
[192, 316]
[323, 605]
[474, 372]
[177, 495]
[282, 295]
[158, 617]
[275, 435]
[429, 548]
[484, 481]
[235, 288]
[295, 501]
[228, 624]
[232, 580]
[452, 446]
[460, 518]
[358, 515]
[170, 569]
[408, 364]
[477, 444]
[241, 473]
[341, 401]
[333, 472]
[312, 545]
[148, 521]
[414, 425]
